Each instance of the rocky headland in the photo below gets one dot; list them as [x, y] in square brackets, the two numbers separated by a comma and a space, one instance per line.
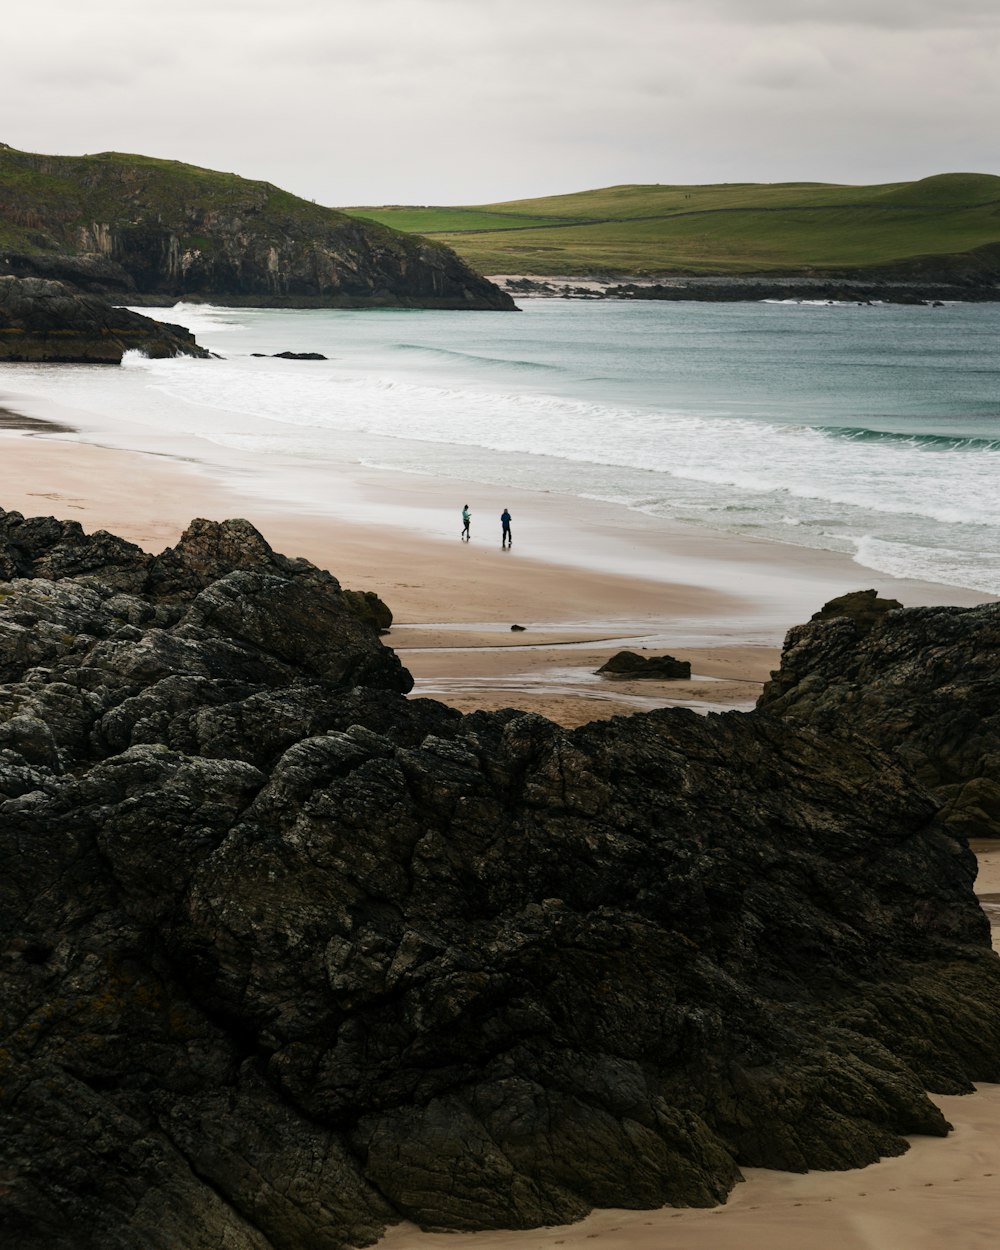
[151, 232]
[46, 322]
[288, 956]
[890, 287]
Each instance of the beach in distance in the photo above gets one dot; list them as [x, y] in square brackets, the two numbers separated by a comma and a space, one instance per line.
[680, 480]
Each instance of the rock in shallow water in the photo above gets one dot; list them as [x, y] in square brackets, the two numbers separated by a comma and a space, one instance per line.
[289, 957]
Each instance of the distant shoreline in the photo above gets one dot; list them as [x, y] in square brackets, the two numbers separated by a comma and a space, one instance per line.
[750, 288]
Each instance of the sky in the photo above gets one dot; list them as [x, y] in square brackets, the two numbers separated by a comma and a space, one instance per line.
[369, 102]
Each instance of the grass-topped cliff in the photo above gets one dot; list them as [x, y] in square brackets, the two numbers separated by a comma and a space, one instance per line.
[155, 229]
[949, 223]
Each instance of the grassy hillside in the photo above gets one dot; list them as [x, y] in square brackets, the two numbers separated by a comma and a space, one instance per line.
[43, 199]
[729, 228]
[118, 222]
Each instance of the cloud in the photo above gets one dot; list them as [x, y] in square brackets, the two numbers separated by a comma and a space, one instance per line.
[877, 14]
[446, 101]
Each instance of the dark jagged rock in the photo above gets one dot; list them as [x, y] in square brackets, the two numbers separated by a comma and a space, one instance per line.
[288, 957]
[630, 664]
[367, 605]
[44, 321]
[157, 231]
[292, 355]
[863, 607]
[923, 683]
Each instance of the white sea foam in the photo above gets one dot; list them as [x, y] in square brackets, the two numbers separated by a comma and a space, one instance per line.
[950, 486]
[945, 565]
[876, 436]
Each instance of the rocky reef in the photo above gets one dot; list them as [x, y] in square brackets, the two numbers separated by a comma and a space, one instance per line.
[922, 682]
[288, 956]
[45, 322]
[156, 231]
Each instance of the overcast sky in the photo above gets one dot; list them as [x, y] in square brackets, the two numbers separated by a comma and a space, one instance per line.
[469, 101]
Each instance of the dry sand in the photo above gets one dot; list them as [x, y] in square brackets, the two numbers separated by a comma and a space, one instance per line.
[724, 604]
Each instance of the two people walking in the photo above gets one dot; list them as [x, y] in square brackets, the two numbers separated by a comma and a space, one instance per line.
[505, 539]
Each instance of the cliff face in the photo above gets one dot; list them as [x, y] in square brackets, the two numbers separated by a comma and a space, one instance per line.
[160, 230]
[44, 321]
[288, 957]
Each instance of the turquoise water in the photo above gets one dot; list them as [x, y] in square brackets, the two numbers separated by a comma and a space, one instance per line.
[871, 430]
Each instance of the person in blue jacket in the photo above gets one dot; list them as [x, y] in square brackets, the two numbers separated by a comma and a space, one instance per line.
[505, 528]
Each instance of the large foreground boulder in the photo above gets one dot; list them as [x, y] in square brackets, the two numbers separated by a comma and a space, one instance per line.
[46, 322]
[923, 683]
[288, 957]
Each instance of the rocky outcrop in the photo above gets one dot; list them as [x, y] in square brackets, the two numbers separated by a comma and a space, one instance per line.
[45, 322]
[292, 355]
[922, 683]
[890, 286]
[287, 957]
[659, 667]
[157, 231]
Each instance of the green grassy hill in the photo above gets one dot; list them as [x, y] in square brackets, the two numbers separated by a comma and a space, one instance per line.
[729, 228]
[154, 229]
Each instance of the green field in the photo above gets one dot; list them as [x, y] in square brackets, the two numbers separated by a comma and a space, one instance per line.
[729, 228]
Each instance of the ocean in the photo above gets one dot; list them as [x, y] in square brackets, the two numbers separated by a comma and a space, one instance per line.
[872, 430]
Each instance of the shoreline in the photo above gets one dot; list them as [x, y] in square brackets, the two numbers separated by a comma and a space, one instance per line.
[885, 288]
[584, 578]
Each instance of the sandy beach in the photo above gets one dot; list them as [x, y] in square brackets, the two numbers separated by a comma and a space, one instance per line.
[583, 579]
[723, 604]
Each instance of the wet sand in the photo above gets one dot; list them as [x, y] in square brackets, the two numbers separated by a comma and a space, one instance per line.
[584, 579]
